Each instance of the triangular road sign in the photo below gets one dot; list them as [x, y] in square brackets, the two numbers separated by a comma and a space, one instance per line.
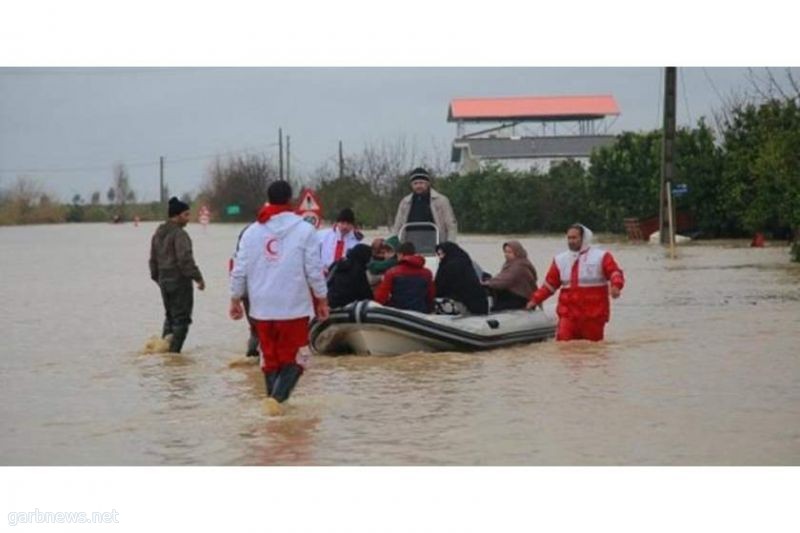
[308, 201]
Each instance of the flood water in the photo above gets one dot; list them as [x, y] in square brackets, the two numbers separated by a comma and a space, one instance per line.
[701, 366]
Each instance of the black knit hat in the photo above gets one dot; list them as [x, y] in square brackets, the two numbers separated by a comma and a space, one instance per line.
[176, 207]
[346, 215]
[419, 173]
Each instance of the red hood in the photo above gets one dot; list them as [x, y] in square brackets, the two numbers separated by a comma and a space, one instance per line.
[416, 261]
[269, 210]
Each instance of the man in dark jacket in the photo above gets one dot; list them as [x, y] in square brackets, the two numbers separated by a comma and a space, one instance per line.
[172, 266]
[456, 279]
[347, 280]
[409, 285]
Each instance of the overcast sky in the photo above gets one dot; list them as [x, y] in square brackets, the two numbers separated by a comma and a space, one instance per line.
[67, 127]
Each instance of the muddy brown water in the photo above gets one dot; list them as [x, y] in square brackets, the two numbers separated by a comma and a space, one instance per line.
[701, 366]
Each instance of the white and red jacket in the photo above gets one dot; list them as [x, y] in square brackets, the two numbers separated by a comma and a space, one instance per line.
[276, 264]
[583, 278]
[334, 246]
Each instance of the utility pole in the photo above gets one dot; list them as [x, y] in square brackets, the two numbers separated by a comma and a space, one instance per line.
[280, 153]
[288, 158]
[341, 161]
[161, 180]
[665, 218]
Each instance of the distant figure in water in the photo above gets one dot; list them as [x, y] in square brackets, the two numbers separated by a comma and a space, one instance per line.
[172, 266]
[278, 267]
[583, 274]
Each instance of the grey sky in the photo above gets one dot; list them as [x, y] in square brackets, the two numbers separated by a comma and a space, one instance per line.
[89, 119]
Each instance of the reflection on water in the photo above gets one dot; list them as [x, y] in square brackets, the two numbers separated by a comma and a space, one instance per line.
[700, 366]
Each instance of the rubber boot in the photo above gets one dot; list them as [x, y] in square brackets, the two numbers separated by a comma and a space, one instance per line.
[178, 336]
[166, 329]
[269, 379]
[252, 346]
[287, 379]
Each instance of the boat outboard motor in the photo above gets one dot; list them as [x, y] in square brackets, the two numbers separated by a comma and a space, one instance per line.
[286, 380]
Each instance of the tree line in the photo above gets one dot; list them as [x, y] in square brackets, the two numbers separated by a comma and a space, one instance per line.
[742, 177]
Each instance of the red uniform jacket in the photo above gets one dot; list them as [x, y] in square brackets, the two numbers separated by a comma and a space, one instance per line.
[583, 283]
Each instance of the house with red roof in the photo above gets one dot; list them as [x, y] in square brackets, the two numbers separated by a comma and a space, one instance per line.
[529, 131]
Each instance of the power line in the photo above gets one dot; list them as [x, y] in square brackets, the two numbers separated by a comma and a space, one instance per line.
[685, 97]
[137, 164]
[96, 71]
[659, 118]
[713, 86]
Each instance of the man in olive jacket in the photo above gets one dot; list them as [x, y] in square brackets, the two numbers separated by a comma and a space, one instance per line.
[425, 204]
[173, 268]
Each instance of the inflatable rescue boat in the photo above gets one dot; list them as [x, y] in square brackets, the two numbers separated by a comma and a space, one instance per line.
[368, 328]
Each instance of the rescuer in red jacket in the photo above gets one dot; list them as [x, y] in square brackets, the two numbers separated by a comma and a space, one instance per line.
[583, 273]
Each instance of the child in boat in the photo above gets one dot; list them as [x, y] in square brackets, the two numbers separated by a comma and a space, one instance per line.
[383, 260]
[409, 285]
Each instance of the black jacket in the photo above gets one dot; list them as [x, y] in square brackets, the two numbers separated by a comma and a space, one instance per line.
[456, 279]
[347, 280]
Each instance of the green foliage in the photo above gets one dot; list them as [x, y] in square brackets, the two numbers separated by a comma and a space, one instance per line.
[350, 192]
[699, 166]
[492, 199]
[746, 181]
[762, 166]
[626, 178]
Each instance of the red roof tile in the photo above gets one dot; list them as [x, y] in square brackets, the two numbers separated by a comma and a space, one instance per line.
[533, 107]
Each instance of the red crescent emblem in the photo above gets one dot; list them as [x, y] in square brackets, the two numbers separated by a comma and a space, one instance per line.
[270, 249]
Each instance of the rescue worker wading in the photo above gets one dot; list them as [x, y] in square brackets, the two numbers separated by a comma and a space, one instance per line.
[583, 273]
[278, 267]
[173, 268]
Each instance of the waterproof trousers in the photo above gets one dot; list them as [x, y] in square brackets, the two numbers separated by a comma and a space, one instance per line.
[570, 329]
[178, 298]
[280, 341]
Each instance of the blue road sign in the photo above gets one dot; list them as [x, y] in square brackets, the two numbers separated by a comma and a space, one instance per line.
[679, 189]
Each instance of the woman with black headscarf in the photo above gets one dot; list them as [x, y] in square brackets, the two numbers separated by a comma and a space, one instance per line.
[347, 280]
[456, 279]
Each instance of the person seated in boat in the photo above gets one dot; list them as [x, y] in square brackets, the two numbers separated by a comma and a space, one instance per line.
[409, 285]
[386, 259]
[516, 281]
[377, 249]
[347, 279]
[457, 279]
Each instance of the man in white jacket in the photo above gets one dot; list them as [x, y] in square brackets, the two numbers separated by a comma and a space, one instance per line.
[335, 242]
[278, 268]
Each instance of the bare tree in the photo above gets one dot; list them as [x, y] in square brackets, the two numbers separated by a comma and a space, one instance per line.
[95, 198]
[240, 180]
[122, 187]
[763, 84]
[25, 191]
